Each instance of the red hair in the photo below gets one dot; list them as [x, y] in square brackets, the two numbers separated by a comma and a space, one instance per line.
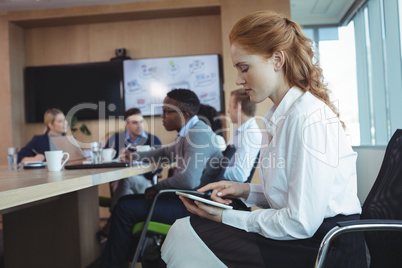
[266, 32]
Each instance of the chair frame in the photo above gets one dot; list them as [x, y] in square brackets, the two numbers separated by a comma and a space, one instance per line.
[228, 153]
[148, 220]
[365, 224]
[354, 226]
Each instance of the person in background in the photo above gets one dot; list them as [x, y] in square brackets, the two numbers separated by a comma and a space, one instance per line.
[246, 139]
[307, 166]
[56, 125]
[124, 142]
[194, 154]
[132, 137]
[211, 117]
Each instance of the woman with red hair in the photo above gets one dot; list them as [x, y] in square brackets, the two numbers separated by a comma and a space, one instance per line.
[307, 166]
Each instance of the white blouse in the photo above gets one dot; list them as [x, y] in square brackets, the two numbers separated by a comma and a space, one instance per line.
[307, 171]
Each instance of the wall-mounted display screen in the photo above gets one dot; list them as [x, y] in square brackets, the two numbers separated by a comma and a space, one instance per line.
[147, 81]
[88, 90]
[98, 90]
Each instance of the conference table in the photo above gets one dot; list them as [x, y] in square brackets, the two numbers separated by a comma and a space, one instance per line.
[50, 219]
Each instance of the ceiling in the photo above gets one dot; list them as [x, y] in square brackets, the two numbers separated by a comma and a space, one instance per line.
[320, 12]
[304, 12]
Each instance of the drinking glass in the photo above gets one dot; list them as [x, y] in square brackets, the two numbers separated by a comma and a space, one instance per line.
[96, 152]
[12, 157]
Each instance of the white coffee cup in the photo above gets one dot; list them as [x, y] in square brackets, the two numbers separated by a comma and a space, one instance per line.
[143, 148]
[108, 154]
[54, 159]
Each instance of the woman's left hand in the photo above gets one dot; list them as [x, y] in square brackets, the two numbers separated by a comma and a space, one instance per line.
[203, 210]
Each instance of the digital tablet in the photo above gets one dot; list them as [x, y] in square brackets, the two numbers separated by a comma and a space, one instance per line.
[203, 200]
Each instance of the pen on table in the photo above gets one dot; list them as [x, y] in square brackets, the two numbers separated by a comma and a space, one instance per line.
[34, 151]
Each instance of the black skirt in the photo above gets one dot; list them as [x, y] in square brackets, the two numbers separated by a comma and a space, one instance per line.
[238, 248]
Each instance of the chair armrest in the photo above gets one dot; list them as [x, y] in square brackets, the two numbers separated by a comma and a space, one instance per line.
[367, 222]
[354, 226]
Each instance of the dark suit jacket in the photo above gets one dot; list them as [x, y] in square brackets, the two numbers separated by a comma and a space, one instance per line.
[39, 143]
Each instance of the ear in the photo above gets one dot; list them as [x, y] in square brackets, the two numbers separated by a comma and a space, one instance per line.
[187, 116]
[50, 126]
[279, 60]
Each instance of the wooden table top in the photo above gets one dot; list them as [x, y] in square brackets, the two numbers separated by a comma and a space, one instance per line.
[22, 186]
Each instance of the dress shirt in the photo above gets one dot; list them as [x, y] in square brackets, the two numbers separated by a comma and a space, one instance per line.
[307, 171]
[183, 131]
[221, 143]
[137, 140]
[247, 140]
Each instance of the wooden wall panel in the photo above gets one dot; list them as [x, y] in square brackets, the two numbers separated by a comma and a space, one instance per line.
[142, 39]
[57, 45]
[117, 12]
[17, 57]
[5, 95]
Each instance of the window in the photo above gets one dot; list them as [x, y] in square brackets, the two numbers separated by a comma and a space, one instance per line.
[378, 61]
[338, 61]
[336, 51]
[368, 94]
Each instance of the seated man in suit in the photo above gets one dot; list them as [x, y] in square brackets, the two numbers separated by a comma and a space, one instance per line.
[194, 155]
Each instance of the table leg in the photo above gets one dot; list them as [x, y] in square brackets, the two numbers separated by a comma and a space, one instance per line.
[58, 233]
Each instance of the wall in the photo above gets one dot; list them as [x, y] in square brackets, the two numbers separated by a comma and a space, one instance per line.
[5, 90]
[17, 58]
[368, 164]
[142, 39]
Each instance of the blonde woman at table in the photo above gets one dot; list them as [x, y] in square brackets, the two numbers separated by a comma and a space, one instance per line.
[56, 125]
[307, 166]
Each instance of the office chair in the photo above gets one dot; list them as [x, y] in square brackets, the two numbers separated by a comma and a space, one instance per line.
[255, 165]
[381, 214]
[161, 228]
[106, 201]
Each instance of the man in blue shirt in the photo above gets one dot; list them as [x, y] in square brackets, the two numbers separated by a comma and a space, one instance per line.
[134, 136]
[246, 139]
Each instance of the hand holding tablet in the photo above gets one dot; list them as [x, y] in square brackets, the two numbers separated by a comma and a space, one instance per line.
[204, 200]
